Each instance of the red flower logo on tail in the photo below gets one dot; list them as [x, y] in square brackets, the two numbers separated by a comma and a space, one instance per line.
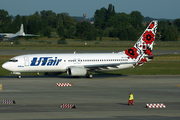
[148, 37]
[148, 51]
[132, 52]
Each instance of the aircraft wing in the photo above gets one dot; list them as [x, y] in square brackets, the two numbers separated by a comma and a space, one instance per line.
[4, 34]
[99, 66]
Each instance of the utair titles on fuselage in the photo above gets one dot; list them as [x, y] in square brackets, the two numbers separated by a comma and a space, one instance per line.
[83, 64]
[50, 62]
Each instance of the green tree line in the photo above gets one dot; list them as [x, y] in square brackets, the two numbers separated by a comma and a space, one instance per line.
[107, 23]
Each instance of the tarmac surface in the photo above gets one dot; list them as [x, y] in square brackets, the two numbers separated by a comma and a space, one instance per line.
[103, 97]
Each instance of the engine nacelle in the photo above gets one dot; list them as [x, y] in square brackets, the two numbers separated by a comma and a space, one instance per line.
[76, 71]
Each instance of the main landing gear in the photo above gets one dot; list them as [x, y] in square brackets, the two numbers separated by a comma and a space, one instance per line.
[89, 75]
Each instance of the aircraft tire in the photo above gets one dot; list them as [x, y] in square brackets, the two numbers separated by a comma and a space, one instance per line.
[89, 76]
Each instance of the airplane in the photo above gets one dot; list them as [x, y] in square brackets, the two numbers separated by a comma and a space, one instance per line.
[11, 36]
[83, 64]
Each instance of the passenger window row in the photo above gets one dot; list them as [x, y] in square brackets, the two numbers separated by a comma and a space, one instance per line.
[97, 60]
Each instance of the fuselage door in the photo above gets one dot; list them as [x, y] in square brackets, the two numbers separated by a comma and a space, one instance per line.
[26, 61]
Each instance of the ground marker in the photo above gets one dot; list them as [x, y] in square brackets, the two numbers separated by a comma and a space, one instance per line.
[63, 84]
[69, 106]
[8, 101]
[157, 105]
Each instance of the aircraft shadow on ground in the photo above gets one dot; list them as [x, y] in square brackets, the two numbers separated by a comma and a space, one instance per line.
[67, 77]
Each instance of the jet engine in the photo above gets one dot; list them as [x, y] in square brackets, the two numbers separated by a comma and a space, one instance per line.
[76, 71]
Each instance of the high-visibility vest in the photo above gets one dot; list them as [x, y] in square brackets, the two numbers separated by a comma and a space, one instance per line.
[131, 97]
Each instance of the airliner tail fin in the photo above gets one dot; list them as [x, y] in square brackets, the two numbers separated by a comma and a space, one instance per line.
[21, 31]
[144, 45]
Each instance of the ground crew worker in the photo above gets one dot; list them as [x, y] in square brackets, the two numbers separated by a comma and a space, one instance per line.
[131, 98]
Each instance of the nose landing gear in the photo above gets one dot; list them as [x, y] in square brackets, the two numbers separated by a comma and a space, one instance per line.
[17, 73]
[19, 76]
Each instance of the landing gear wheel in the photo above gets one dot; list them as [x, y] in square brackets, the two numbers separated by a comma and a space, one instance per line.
[89, 76]
[19, 76]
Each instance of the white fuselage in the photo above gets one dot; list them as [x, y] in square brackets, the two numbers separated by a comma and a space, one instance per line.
[61, 62]
[8, 37]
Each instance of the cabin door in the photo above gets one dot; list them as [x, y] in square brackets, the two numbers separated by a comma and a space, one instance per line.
[26, 61]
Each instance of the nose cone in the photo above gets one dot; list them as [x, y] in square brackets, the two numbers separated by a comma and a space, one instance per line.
[6, 66]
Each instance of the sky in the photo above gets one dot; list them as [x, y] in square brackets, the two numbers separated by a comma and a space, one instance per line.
[152, 8]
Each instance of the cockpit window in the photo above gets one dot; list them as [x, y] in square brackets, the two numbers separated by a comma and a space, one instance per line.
[13, 60]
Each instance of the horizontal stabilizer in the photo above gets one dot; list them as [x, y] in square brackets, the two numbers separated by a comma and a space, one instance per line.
[30, 35]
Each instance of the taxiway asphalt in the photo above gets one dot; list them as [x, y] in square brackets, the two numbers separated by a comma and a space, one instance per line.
[103, 97]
